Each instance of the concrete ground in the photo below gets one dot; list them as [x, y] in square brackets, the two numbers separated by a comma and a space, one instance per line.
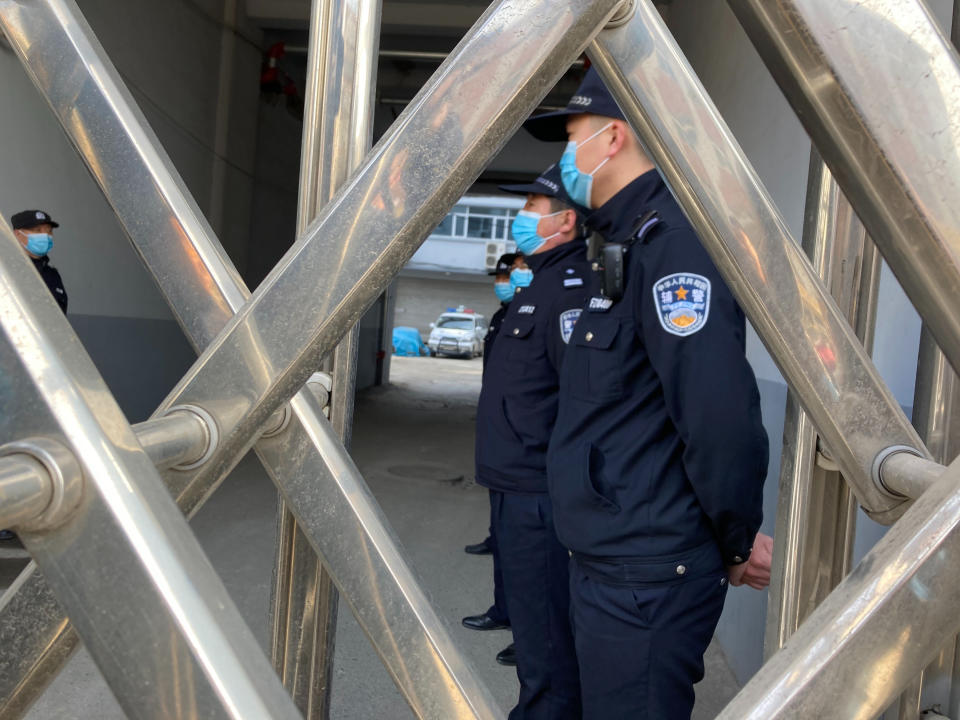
[413, 441]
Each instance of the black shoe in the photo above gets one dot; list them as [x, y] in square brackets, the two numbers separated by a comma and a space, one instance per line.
[481, 548]
[507, 656]
[482, 622]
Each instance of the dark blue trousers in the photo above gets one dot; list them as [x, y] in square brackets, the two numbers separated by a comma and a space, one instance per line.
[497, 611]
[640, 645]
[535, 581]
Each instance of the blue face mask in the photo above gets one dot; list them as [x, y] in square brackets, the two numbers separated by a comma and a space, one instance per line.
[521, 278]
[524, 231]
[577, 183]
[39, 243]
[504, 291]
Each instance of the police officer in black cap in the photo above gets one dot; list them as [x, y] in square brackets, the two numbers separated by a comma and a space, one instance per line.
[504, 292]
[34, 230]
[496, 617]
[515, 416]
[658, 456]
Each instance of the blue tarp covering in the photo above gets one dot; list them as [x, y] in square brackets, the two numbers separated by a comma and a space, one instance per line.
[407, 342]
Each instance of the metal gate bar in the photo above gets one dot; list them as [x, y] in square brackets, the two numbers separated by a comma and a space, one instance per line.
[816, 514]
[156, 618]
[371, 228]
[337, 133]
[376, 543]
[899, 167]
[739, 225]
[877, 630]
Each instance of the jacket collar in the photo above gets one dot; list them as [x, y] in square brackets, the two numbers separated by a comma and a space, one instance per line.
[541, 261]
[616, 216]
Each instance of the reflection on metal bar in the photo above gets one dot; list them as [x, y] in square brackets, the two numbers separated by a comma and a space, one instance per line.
[179, 438]
[855, 104]
[812, 343]
[93, 97]
[908, 475]
[26, 489]
[816, 518]
[120, 558]
[877, 630]
[337, 132]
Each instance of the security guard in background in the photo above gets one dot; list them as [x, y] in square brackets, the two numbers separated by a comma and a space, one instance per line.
[496, 617]
[515, 416]
[658, 456]
[34, 230]
[504, 292]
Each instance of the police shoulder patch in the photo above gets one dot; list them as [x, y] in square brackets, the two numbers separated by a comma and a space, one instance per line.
[568, 320]
[683, 302]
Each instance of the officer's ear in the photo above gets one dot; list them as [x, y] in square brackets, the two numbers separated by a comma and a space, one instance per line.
[569, 221]
[621, 136]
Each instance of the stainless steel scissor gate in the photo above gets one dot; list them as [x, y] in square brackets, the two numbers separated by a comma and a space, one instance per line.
[100, 504]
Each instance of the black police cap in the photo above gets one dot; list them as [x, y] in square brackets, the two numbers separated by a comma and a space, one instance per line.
[591, 97]
[27, 219]
[549, 184]
[505, 264]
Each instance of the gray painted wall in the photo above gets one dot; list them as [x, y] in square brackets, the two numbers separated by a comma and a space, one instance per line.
[169, 55]
[421, 297]
[778, 147]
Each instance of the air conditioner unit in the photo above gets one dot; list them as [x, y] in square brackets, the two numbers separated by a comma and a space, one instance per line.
[494, 251]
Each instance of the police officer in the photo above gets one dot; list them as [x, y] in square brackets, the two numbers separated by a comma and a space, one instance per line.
[496, 617]
[658, 456]
[504, 292]
[34, 230]
[515, 416]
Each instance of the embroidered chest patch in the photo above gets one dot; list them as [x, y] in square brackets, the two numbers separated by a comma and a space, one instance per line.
[526, 310]
[568, 320]
[683, 302]
[573, 282]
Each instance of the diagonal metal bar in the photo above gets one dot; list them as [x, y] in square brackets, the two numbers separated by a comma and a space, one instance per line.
[136, 175]
[877, 630]
[814, 346]
[888, 128]
[436, 148]
[337, 133]
[120, 556]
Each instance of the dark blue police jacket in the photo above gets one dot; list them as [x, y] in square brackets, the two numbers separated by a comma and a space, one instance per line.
[518, 399]
[492, 331]
[52, 278]
[658, 447]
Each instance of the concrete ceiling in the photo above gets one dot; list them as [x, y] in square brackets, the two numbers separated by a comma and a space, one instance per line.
[433, 26]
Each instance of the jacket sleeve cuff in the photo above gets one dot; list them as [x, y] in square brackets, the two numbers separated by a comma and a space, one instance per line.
[737, 545]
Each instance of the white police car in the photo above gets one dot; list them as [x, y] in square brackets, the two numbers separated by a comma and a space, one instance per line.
[459, 333]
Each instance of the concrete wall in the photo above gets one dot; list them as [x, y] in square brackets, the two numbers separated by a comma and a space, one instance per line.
[169, 54]
[421, 297]
[778, 147]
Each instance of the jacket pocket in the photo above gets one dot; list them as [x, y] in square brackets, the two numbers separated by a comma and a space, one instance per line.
[597, 347]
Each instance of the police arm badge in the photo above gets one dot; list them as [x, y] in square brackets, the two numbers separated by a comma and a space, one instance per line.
[683, 302]
[568, 319]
